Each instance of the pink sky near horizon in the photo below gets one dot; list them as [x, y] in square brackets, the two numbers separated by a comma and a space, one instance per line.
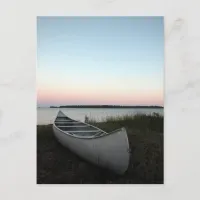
[71, 97]
[59, 89]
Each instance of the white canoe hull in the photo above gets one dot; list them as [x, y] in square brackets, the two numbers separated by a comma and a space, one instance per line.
[110, 151]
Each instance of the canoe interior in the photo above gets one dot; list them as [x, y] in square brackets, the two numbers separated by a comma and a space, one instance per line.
[77, 128]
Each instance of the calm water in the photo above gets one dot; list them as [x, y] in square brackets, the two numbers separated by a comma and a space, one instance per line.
[47, 115]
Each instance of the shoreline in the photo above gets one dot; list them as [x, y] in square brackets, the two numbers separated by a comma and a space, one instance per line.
[121, 107]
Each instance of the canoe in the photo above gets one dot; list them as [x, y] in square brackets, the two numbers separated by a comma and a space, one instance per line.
[106, 150]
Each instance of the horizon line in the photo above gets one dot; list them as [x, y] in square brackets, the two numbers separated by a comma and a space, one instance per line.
[121, 105]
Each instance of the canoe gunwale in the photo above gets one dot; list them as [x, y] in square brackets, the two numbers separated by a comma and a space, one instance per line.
[88, 137]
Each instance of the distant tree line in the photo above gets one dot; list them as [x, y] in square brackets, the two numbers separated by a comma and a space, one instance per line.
[103, 106]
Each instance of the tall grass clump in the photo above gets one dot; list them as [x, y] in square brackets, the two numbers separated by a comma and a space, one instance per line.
[143, 122]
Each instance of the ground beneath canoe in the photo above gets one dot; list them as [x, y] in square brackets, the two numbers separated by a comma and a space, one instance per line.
[58, 165]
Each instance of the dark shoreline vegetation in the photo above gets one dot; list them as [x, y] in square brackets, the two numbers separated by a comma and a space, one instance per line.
[103, 106]
[58, 165]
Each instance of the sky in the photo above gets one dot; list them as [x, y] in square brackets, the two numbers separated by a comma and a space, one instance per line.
[100, 61]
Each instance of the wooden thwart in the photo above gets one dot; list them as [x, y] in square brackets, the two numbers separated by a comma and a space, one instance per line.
[66, 122]
[73, 126]
[83, 131]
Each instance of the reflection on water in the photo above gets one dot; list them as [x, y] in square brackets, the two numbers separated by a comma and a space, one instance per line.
[47, 115]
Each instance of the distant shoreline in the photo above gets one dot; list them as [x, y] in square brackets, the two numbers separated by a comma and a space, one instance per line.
[102, 106]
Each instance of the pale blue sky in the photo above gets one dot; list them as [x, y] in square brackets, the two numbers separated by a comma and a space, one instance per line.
[98, 49]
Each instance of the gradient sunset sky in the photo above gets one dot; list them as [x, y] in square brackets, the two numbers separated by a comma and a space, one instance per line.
[100, 60]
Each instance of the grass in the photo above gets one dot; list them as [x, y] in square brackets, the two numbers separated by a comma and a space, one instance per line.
[56, 164]
[139, 122]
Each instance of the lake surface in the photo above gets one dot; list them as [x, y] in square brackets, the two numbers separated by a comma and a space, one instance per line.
[47, 115]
